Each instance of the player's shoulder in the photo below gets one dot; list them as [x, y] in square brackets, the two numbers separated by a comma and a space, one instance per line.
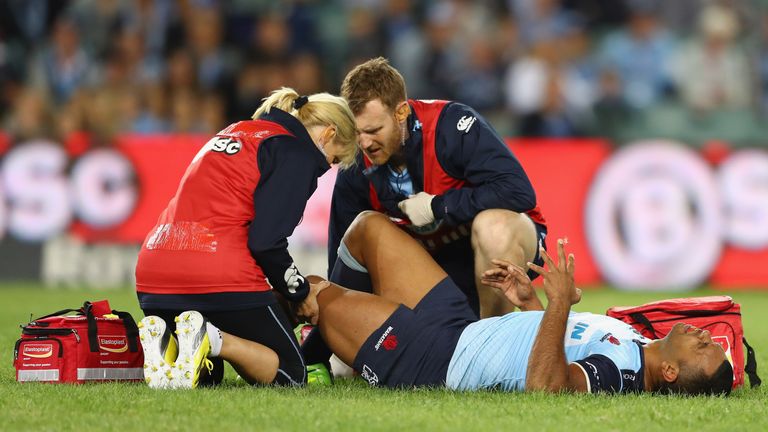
[458, 119]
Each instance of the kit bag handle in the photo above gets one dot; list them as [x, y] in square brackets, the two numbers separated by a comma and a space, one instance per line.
[131, 329]
[750, 368]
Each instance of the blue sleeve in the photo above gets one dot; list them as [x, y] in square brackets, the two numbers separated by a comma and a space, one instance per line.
[289, 171]
[602, 374]
[350, 197]
[471, 150]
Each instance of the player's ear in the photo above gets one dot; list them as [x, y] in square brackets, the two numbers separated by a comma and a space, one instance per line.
[669, 371]
[329, 132]
[402, 111]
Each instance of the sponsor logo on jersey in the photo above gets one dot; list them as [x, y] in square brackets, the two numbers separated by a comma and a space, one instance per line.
[592, 369]
[115, 344]
[578, 330]
[383, 337]
[369, 375]
[226, 145]
[292, 278]
[37, 350]
[610, 338]
[464, 123]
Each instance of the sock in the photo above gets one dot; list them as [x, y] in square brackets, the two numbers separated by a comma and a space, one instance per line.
[314, 348]
[215, 338]
[348, 273]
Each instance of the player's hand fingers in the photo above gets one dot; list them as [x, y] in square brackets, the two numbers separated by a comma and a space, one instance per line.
[571, 264]
[519, 275]
[497, 285]
[561, 262]
[497, 272]
[546, 258]
[576, 296]
[539, 270]
[500, 263]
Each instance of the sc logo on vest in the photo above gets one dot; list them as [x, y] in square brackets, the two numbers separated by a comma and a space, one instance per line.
[226, 145]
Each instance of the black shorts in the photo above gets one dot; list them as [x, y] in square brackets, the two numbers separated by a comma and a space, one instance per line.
[414, 346]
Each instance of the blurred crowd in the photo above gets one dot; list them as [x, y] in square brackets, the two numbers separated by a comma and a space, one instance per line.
[548, 68]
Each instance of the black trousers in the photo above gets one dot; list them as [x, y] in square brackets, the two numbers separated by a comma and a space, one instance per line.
[266, 325]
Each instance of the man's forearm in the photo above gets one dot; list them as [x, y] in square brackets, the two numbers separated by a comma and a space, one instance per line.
[547, 367]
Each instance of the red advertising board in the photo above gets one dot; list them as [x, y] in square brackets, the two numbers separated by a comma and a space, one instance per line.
[650, 215]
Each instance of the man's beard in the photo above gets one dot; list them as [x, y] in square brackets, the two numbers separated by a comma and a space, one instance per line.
[398, 160]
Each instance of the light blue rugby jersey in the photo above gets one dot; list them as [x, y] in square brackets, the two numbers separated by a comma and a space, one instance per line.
[493, 353]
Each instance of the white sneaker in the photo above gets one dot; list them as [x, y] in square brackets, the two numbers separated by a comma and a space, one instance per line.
[194, 347]
[160, 350]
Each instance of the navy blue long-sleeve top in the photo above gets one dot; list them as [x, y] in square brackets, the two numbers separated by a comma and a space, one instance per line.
[478, 155]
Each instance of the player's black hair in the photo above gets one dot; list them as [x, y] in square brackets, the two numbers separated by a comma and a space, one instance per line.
[694, 382]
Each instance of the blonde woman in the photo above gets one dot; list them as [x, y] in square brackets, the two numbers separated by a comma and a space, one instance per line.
[207, 268]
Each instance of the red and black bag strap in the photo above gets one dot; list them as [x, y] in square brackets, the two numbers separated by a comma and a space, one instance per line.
[57, 313]
[93, 329]
[131, 329]
[750, 368]
[641, 319]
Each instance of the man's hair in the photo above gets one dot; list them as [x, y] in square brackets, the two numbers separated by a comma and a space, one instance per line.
[374, 79]
[692, 381]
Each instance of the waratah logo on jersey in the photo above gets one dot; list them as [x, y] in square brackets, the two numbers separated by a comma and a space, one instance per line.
[37, 350]
[115, 344]
[610, 338]
[390, 342]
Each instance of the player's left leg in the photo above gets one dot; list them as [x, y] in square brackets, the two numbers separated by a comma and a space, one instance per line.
[500, 234]
[348, 318]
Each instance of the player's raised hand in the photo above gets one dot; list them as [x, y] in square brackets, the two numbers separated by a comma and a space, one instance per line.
[511, 280]
[558, 277]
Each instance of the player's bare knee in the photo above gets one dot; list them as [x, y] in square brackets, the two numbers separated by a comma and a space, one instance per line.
[362, 224]
[355, 234]
[504, 233]
[491, 228]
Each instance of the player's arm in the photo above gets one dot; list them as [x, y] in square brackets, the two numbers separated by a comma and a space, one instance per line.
[548, 369]
[350, 197]
[289, 171]
[480, 156]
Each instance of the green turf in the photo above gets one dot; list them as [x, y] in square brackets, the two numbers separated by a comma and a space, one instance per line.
[351, 405]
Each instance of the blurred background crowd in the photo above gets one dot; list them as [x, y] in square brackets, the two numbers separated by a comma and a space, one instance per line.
[694, 70]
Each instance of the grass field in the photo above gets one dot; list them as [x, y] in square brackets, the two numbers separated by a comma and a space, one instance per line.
[351, 404]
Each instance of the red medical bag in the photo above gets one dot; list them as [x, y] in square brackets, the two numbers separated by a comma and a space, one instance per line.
[718, 314]
[96, 344]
